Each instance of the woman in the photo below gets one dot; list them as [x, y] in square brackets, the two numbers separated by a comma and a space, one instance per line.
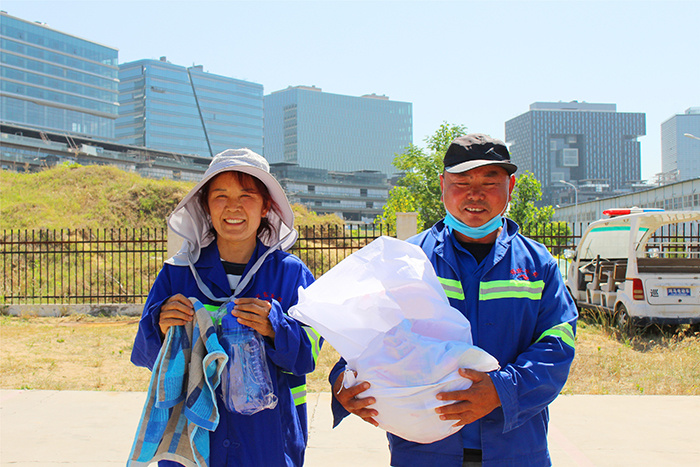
[236, 224]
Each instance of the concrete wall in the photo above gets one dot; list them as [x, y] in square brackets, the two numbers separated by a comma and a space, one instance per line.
[106, 309]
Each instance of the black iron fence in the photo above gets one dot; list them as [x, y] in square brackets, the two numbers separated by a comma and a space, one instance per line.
[120, 265]
[557, 237]
[675, 241]
[322, 247]
[80, 266]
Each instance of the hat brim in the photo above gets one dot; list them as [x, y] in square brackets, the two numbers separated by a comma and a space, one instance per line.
[469, 165]
[282, 206]
[189, 220]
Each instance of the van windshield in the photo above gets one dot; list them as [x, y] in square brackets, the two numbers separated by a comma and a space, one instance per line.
[610, 242]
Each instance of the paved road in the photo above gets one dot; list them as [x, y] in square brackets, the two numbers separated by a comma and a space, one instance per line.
[96, 429]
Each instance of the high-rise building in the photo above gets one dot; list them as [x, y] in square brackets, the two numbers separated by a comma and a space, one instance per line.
[680, 154]
[320, 130]
[55, 81]
[187, 110]
[591, 146]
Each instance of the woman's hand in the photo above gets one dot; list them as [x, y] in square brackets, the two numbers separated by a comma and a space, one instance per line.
[176, 311]
[254, 313]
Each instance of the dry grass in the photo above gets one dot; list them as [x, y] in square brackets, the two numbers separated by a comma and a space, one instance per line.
[653, 362]
[70, 353]
[86, 353]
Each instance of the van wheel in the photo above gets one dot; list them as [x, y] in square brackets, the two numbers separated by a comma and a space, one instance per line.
[622, 320]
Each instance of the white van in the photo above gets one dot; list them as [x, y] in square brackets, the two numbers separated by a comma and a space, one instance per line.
[642, 266]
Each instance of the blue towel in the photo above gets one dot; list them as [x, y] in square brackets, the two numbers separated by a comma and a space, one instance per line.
[181, 407]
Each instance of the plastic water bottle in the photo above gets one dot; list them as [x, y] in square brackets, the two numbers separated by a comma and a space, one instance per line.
[246, 384]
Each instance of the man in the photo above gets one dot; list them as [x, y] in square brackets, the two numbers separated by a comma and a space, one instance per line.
[511, 290]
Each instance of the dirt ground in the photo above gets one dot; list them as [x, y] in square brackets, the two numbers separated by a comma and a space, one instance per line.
[92, 354]
[84, 353]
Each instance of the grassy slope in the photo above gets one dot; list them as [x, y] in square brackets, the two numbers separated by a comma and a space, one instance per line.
[86, 197]
[96, 197]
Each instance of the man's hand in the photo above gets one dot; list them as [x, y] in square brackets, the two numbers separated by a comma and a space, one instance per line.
[348, 399]
[474, 403]
[176, 311]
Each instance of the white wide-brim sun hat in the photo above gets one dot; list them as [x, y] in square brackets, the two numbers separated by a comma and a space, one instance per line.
[190, 221]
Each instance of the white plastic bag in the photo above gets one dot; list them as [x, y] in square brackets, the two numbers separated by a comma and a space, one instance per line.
[384, 310]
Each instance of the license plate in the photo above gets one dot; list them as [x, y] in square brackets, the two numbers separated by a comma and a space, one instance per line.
[678, 291]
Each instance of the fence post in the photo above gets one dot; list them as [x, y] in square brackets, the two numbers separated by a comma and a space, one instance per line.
[406, 224]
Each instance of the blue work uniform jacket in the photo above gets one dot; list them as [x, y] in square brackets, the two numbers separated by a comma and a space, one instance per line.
[521, 313]
[270, 437]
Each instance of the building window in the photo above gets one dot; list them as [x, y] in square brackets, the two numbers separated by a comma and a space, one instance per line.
[570, 157]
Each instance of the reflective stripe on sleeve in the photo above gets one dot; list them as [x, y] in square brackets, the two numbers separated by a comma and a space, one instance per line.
[299, 395]
[511, 289]
[563, 331]
[452, 288]
[315, 339]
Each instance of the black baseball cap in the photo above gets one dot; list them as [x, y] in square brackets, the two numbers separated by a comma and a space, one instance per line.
[476, 150]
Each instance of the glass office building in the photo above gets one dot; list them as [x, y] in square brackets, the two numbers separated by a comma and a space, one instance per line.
[680, 154]
[187, 110]
[55, 81]
[589, 145]
[320, 130]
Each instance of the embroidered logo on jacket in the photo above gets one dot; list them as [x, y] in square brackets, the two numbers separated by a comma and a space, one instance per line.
[523, 274]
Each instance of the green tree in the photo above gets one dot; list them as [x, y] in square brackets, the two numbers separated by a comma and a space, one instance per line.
[400, 200]
[522, 210]
[419, 187]
[535, 222]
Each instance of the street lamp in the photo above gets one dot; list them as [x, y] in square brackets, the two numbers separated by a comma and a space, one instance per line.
[575, 200]
[691, 136]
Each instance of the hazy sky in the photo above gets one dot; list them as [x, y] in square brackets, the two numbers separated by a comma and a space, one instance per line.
[474, 63]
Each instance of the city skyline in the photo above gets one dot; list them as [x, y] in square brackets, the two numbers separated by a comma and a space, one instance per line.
[473, 63]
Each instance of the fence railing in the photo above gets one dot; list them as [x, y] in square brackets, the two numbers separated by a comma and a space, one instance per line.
[120, 265]
[322, 247]
[80, 266]
[556, 237]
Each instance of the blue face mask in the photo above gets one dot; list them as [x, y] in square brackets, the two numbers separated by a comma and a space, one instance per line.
[473, 232]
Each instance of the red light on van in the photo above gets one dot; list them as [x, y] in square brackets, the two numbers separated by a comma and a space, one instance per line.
[616, 212]
[625, 211]
[637, 289]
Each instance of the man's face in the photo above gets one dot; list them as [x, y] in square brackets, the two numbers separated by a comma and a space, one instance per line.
[478, 195]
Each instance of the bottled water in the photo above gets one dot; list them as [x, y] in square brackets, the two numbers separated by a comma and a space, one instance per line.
[246, 384]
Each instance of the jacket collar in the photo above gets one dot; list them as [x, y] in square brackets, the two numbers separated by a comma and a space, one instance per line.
[444, 248]
[211, 269]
